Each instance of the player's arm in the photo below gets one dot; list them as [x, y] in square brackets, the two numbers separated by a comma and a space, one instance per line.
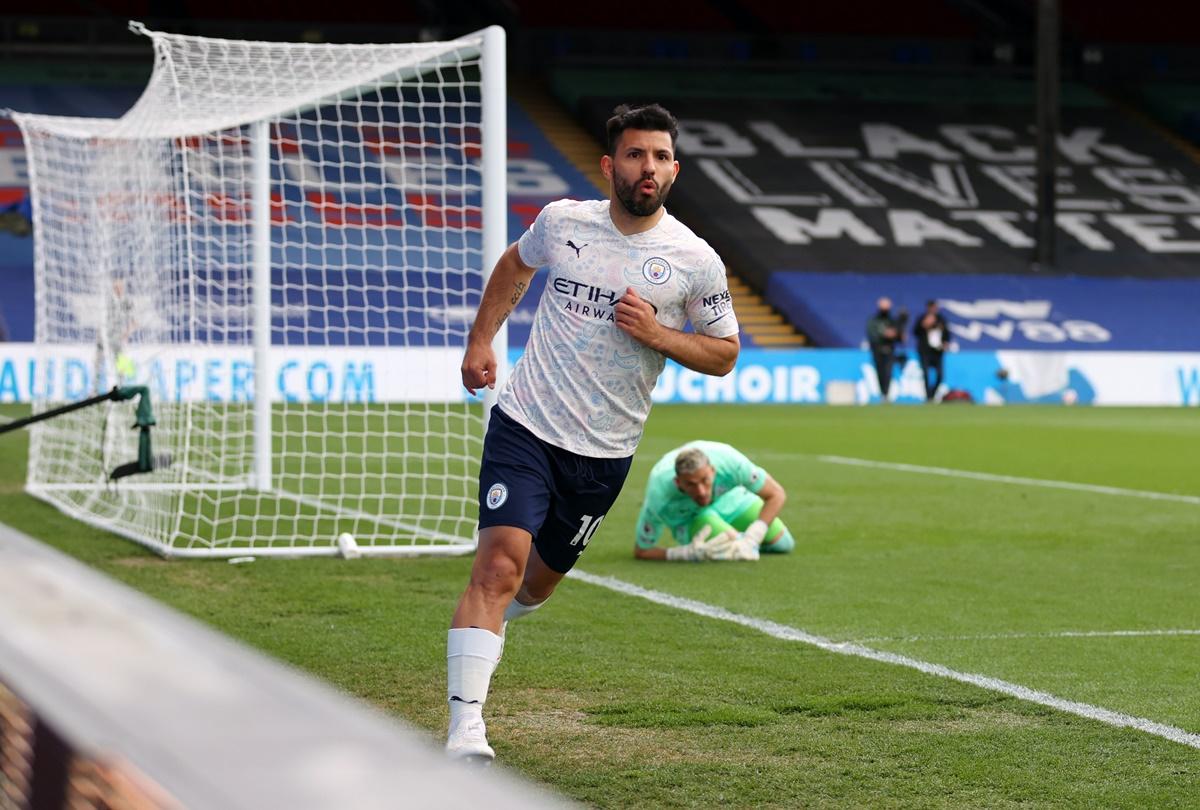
[701, 546]
[649, 530]
[774, 497]
[708, 355]
[758, 481]
[655, 553]
[505, 289]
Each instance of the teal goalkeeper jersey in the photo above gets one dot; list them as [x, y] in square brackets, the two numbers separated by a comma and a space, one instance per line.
[666, 507]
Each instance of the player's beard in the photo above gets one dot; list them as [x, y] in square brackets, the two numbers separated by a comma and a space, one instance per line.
[640, 205]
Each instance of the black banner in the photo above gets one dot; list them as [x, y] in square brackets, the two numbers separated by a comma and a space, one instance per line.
[926, 188]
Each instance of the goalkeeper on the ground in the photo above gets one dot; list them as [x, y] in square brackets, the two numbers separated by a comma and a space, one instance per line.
[717, 503]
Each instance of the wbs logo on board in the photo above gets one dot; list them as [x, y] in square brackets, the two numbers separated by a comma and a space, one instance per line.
[1007, 321]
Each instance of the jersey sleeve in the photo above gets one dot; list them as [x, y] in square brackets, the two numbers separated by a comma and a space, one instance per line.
[532, 246]
[649, 527]
[746, 472]
[710, 307]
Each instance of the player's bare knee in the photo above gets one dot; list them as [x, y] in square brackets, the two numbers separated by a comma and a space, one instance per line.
[497, 578]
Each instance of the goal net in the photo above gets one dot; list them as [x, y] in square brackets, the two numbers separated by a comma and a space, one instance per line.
[285, 243]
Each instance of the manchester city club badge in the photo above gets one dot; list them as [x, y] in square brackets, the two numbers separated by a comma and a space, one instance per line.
[656, 270]
[496, 496]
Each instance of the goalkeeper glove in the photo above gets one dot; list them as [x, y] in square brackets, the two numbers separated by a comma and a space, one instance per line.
[701, 548]
[692, 552]
[744, 547]
[755, 532]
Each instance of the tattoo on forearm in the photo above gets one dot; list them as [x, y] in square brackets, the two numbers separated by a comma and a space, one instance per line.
[503, 317]
[518, 291]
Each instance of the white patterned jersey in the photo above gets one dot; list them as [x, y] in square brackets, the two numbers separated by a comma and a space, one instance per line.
[583, 384]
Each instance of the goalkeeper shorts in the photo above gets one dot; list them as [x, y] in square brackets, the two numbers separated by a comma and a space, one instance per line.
[739, 507]
[557, 496]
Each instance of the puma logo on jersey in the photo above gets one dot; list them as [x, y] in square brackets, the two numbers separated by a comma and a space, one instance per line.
[571, 245]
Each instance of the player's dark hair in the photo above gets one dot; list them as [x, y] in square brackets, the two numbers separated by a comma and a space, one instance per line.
[650, 117]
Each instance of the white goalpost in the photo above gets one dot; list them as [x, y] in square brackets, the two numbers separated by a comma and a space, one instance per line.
[285, 243]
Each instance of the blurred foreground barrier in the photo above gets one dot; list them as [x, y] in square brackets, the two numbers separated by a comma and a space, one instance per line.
[108, 699]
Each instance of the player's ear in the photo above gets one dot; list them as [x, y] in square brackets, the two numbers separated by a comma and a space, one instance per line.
[606, 167]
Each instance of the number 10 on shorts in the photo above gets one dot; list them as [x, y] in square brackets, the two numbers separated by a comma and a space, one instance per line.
[587, 527]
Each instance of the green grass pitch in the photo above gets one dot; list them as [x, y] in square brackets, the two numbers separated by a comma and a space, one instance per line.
[618, 702]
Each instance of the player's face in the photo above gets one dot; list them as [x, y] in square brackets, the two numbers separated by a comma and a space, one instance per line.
[698, 485]
[643, 169]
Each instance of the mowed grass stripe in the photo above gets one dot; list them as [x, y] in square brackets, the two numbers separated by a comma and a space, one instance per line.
[1007, 636]
[786, 633]
[1012, 479]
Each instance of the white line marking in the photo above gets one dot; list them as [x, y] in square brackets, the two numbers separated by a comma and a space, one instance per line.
[1061, 634]
[1013, 479]
[782, 631]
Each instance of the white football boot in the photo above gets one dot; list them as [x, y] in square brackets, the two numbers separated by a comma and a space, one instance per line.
[468, 742]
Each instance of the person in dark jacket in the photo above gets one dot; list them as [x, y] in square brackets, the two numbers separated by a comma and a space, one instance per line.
[933, 338]
[884, 335]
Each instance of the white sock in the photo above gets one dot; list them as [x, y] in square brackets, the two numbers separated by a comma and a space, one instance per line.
[471, 657]
[516, 610]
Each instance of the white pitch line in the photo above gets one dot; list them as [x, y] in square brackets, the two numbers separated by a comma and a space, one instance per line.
[1013, 479]
[782, 631]
[1061, 634]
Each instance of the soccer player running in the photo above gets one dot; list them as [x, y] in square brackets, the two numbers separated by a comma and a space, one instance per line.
[718, 504]
[624, 278]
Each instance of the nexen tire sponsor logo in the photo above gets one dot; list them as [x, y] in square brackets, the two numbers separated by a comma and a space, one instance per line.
[718, 306]
[722, 297]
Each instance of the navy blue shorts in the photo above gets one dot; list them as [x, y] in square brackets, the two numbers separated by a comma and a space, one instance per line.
[558, 497]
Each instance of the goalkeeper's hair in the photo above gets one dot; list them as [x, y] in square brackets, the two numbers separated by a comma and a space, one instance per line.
[689, 460]
[652, 117]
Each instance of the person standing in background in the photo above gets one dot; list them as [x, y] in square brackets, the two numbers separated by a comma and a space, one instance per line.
[933, 338]
[884, 334]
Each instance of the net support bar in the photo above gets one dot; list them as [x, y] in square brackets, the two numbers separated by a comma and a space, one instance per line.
[260, 139]
[495, 172]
